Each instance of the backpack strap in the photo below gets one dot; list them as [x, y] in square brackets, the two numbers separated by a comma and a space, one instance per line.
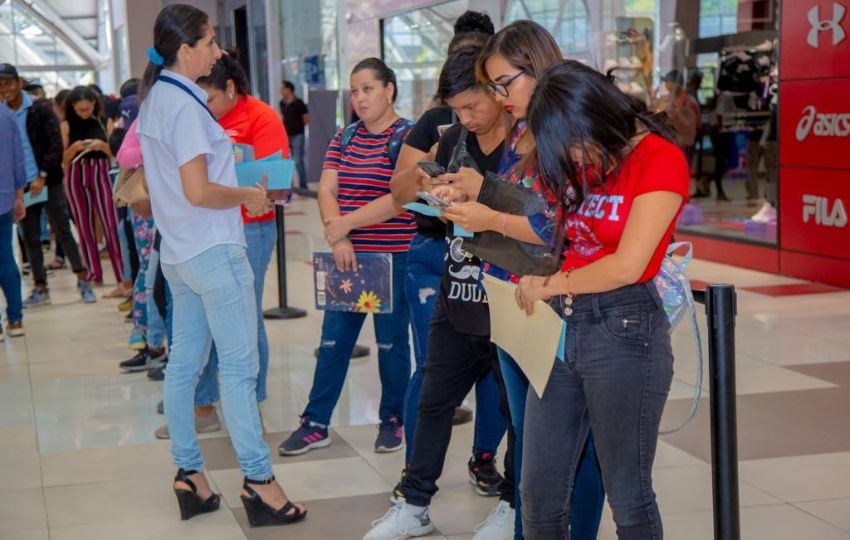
[347, 135]
[397, 138]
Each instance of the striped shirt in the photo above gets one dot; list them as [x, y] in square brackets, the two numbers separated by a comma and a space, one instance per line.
[363, 175]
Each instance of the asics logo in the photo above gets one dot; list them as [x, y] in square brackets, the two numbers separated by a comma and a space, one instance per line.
[822, 124]
[833, 25]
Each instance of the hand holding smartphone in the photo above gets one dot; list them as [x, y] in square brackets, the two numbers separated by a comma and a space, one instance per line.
[432, 168]
[433, 200]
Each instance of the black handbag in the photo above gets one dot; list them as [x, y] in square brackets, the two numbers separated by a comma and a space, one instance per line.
[517, 257]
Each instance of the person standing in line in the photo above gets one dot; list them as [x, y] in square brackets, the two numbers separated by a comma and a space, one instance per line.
[87, 156]
[12, 181]
[38, 128]
[360, 216]
[195, 199]
[296, 116]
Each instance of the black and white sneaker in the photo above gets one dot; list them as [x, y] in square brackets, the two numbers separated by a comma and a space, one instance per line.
[484, 475]
[144, 360]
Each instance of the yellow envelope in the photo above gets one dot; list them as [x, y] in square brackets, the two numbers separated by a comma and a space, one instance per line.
[531, 340]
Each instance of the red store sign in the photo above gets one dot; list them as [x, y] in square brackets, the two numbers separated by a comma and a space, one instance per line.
[815, 38]
[815, 123]
[815, 211]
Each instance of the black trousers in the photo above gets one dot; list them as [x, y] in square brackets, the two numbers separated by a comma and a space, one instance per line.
[57, 215]
[455, 362]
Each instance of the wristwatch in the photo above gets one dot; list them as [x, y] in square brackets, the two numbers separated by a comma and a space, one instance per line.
[42, 174]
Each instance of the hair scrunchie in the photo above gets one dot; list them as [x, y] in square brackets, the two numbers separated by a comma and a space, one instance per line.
[156, 58]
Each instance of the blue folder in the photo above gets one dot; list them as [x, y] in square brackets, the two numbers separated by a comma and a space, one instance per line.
[277, 170]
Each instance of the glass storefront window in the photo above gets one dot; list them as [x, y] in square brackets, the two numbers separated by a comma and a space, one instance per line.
[414, 46]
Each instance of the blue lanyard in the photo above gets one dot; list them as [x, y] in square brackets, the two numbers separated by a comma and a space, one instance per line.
[180, 85]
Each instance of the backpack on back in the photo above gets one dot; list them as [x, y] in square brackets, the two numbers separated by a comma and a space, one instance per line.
[393, 144]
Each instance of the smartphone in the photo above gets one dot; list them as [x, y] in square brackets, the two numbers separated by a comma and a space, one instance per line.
[433, 200]
[431, 168]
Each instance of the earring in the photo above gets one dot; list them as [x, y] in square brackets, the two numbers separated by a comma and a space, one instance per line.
[230, 96]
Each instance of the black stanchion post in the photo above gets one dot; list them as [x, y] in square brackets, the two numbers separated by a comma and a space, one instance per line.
[283, 310]
[721, 309]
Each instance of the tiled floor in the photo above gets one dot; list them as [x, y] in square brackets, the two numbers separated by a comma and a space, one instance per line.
[78, 458]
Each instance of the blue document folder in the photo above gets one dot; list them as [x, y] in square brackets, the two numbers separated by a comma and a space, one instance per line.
[278, 171]
[367, 289]
[29, 200]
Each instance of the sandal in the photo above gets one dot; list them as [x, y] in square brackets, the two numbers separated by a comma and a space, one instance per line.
[57, 264]
[261, 514]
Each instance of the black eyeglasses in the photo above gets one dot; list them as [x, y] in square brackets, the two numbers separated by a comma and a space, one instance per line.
[502, 87]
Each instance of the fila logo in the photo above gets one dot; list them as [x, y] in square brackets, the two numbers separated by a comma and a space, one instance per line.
[822, 124]
[818, 25]
[818, 208]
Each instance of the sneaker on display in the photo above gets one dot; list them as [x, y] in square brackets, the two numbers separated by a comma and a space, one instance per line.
[484, 475]
[401, 521]
[499, 525]
[766, 214]
[146, 359]
[307, 437]
[37, 298]
[390, 436]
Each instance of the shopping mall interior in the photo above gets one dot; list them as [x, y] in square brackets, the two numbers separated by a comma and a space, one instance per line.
[760, 87]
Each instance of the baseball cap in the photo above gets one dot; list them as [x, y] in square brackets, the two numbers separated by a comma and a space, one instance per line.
[8, 71]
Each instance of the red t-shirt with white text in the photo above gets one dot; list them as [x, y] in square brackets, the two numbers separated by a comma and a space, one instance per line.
[595, 229]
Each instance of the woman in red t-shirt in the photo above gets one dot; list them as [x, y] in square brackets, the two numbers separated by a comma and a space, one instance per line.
[248, 121]
[622, 183]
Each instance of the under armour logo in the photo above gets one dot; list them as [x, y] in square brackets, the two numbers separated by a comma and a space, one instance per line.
[818, 26]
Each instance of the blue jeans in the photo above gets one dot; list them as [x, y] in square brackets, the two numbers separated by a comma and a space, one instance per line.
[213, 299]
[339, 335]
[588, 494]
[156, 326]
[124, 242]
[261, 238]
[614, 381]
[296, 147]
[10, 276]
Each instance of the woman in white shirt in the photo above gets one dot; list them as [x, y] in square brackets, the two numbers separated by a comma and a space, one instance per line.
[195, 200]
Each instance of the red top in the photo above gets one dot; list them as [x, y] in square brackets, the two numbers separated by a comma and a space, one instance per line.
[594, 231]
[253, 122]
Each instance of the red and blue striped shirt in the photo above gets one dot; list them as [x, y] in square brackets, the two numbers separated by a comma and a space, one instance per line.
[364, 171]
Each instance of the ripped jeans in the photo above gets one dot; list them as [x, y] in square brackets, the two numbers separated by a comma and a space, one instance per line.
[339, 335]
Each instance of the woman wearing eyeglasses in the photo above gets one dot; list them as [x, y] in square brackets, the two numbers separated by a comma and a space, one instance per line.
[509, 65]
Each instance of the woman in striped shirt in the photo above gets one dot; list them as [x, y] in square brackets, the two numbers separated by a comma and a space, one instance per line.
[360, 217]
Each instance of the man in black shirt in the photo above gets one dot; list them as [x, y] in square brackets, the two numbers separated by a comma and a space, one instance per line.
[459, 350]
[295, 118]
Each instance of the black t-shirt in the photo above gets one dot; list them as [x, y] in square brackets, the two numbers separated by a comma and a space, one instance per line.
[293, 116]
[423, 135]
[463, 295]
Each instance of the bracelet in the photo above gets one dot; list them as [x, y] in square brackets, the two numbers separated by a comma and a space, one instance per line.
[504, 224]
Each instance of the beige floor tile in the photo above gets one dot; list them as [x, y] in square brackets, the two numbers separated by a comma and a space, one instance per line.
[220, 525]
[33, 534]
[82, 504]
[803, 478]
[836, 512]
[95, 465]
[21, 510]
[683, 489]
[763, 380]
[312, 480]
[24, 439]
[19, 469]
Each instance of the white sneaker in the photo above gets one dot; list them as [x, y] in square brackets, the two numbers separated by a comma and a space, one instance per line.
[400, 523]
[766, 214]
[499, 525]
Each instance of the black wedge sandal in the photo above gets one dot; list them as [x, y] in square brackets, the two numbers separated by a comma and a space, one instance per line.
[261, 514]
[189, 502]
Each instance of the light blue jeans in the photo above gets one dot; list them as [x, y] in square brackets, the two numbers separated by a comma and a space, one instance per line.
[213, 295]
[261, 238]
[296, 145]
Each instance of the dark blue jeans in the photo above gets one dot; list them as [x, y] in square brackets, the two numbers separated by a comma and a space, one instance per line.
[425, 262]
[589, 499]
[260, 238]
[614, 382]
[339, 335]
[10, 276]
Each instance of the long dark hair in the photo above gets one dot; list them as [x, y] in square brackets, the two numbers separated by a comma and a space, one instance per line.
[83, 93]
[575, 107]
[381, 72]
[175, 25]
[228, 69]
[525, 45]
